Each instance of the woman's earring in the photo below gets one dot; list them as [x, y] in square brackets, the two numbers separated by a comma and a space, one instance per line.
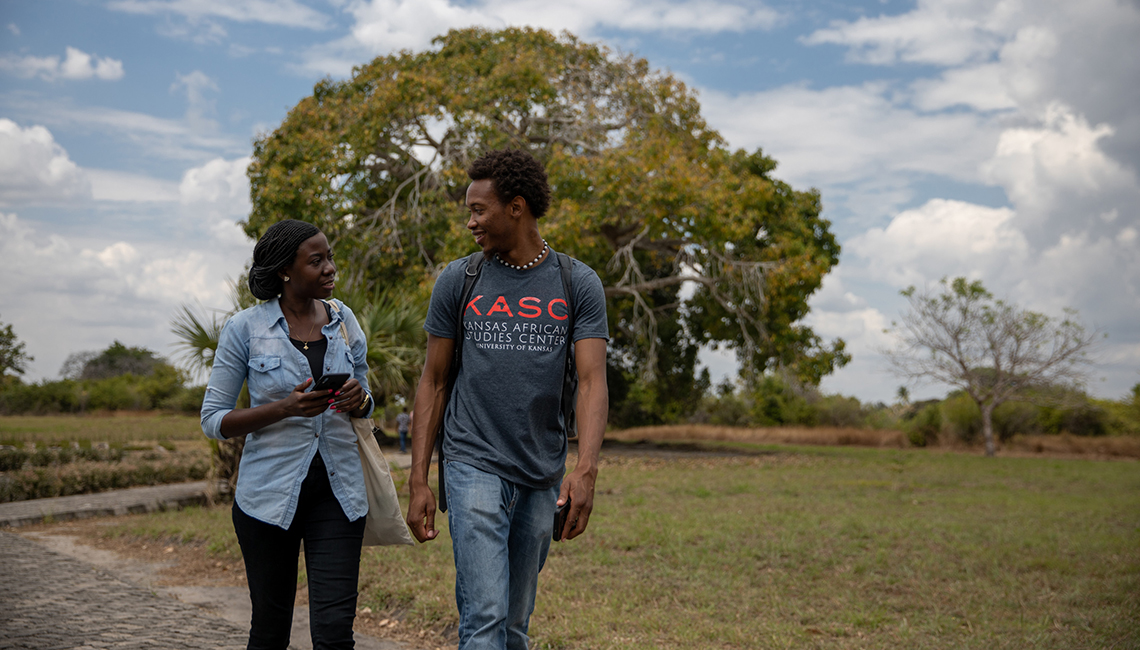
[286, 278]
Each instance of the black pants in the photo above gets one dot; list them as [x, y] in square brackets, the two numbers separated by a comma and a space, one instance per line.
[332, 561]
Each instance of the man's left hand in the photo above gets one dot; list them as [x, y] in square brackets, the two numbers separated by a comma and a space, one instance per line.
[579, 487]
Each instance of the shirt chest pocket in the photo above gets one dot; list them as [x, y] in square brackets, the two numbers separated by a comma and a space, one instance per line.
[339, 357]
[266, 376]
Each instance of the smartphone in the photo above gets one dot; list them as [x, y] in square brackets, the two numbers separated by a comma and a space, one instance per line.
[331, 381]
[560, 515]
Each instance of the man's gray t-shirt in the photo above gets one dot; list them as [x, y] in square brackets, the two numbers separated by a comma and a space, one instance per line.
[503, 415]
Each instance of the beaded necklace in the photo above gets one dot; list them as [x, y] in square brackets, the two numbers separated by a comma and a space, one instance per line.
[518, 267]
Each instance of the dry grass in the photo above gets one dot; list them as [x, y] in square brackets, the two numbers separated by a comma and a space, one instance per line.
[830, 436]
[1065, 446]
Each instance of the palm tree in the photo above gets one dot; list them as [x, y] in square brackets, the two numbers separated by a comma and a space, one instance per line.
[393, 327]
[198, 329]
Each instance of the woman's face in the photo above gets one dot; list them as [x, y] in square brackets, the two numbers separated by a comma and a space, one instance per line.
[313, 273]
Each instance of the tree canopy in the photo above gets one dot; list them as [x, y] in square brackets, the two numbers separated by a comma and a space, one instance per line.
[643, 191]
[115, 361]
[13, 355]
[992, 350]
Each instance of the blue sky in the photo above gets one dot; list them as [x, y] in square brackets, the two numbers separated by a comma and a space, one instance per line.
[998, 140]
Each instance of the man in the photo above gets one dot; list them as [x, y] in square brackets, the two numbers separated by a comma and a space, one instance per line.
[503, 440]
[403, 420]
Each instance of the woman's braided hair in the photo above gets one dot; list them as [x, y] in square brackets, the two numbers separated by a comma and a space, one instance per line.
[274, 251]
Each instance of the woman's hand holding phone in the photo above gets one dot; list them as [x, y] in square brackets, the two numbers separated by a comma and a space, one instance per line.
[304, 402]
[349, 398]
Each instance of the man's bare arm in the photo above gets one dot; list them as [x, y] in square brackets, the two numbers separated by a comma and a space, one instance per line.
[431, 397]
[592, 411]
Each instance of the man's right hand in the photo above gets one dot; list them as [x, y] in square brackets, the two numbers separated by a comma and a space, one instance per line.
[421, 513]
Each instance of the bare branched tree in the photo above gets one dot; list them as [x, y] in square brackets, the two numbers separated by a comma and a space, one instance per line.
[992, 350]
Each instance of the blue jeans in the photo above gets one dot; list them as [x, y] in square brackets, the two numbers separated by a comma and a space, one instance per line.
[500, 535]
[332, 561]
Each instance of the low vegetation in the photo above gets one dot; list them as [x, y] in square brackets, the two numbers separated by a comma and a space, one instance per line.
[802, 547]
[85, 477]
[952, 421]
[62, 455]
[120, 378]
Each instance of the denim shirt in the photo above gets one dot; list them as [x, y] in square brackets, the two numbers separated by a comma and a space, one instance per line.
[254, 347]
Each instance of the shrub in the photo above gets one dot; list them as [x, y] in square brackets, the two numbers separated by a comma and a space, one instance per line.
[1016, 418]
[840, 411]
[14, 459]
[730, 410]
[115, 394]
[774, 402]
[185, 400]
[923, 428]
[961, 417]
[45, 397]
[161, 388]
[1085, 418]
[41, 482]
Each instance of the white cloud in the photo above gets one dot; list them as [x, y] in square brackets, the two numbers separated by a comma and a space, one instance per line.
[941, 238]
[110, 185]
[199, 107]
[12, 27]
[161, 138]
[34, 168]
[385, 26]
[1032, 53]
[1061, 156]
[99, 290]
[983, 87]
[219, 181]
[940, 32]
[217, 195]
[849, 133]
[76, 65]
[288, 13]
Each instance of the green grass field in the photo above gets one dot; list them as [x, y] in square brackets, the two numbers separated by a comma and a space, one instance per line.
[116, 429]
[798, 547]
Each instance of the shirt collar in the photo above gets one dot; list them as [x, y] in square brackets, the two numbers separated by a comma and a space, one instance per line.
[274, 315]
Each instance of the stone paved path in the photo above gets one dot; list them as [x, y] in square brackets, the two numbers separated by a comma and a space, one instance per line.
[116, 502]
[49, 601]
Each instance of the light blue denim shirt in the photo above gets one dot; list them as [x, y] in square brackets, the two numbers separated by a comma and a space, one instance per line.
[254, 347]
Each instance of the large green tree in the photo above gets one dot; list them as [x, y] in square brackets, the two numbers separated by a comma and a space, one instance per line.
[644, 192]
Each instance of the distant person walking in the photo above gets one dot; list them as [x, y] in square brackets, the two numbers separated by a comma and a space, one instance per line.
[504, 442]
[403, 421]
[300, 476]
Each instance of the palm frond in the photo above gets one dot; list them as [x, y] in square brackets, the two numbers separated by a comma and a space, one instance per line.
[197, 334]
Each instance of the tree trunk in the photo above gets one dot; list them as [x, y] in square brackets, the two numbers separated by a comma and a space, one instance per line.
[988, 427]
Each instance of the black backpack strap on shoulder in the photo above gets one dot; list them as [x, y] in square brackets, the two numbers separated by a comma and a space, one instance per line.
[569, 402]
[471, 275]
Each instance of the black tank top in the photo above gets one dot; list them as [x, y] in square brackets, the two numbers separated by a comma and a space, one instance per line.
[316, 352]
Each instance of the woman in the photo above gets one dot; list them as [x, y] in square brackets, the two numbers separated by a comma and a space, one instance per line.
[300, 475]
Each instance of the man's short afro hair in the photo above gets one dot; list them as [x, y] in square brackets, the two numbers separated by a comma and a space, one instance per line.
[514, 172]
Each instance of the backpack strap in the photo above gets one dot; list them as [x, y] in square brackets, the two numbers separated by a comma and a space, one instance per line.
[471, 275]
[570, 378]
